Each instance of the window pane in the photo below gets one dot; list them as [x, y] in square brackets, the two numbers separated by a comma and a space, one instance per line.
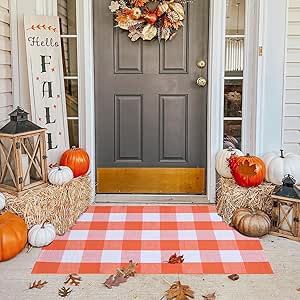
[234, 57]
[235, 19]
[232, 134]
[73, 132]
[71, 87]
[233, 93]
[69, 46]
[67, 13]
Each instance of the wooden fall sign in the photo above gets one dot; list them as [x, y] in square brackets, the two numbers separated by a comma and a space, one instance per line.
[46, 82]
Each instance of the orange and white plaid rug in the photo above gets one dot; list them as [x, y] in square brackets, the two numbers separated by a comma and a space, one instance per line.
[107, 237]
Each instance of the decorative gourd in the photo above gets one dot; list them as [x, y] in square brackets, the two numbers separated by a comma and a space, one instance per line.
[222, 161]
[278, 166]
[254, 223]
[60, 175]
[13, 235]
[2, 201]
[248, 171]
[41, 235]
[77, 160]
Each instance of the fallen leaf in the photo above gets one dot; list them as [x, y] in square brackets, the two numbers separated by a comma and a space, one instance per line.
[298, 290]
[211, 296]
[63, 292]
[128, 271]
[174, 259]
[37, 285]
[114, 280]
[73, 279]
[234, 277]
[178, 291]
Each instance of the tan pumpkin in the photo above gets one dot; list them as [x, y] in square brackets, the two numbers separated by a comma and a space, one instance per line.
[254, 223]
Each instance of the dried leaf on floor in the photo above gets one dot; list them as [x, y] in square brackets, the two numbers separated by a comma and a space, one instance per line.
[174, 259]
[128, 271]
[298, 290]
[63, 292]
[37, 285]
[121, 275]
[73, 279]
[211, 296]
[234, 277]
[114, 280]
[178, 291]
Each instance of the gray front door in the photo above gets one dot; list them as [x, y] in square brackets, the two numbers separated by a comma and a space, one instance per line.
[150, 113]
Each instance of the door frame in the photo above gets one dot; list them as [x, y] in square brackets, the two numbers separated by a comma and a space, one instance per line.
[215, 85]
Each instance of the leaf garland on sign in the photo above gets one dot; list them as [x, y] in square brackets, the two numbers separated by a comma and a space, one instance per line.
[37, 285]
[174, 259]
[73, 279]
[178, 291]
[63, 292]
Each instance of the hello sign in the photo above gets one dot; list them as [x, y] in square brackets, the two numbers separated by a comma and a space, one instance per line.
[46, 82]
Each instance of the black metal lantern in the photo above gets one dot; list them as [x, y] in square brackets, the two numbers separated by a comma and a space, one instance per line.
[23, 161]
[286, 210]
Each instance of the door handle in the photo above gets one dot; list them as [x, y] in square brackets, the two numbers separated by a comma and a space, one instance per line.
[202, 82]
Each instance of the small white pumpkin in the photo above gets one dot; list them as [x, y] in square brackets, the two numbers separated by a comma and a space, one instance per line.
[60, 175]
[41, 235]
[222, 164]
[278, 166]
[2, 201]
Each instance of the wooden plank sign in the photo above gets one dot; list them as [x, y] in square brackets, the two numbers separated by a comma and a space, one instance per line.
[46, 82]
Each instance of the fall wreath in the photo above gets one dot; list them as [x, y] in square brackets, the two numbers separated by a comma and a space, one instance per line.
[148, 19]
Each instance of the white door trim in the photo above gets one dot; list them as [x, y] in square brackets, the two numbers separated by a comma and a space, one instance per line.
[215, 112]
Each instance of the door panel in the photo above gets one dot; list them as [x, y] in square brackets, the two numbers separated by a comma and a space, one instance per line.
[128, 131]
[149, 111]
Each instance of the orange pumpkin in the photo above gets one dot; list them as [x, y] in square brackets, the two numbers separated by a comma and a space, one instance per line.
[13, 235]
[247, 170]
[77, 160]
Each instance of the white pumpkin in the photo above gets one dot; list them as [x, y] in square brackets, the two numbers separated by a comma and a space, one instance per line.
[222, 164]
[41, 235]
[2, 201]
[278, 166]
[60, 175]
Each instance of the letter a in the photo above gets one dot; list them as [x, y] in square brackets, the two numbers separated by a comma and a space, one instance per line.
[49, 90]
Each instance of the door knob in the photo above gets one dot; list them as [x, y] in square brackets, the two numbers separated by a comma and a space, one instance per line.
[201, 81]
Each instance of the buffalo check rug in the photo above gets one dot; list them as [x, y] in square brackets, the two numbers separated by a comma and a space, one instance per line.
[107, 237]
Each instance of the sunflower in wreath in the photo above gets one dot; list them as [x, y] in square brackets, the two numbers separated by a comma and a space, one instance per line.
[149, 19]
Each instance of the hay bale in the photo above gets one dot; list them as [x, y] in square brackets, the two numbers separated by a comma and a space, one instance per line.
[60, 205]
[231, 196]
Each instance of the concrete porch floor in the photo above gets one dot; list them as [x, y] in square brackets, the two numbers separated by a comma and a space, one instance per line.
[283, 254]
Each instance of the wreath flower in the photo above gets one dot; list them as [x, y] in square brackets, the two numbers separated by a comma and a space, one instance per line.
[149, 19]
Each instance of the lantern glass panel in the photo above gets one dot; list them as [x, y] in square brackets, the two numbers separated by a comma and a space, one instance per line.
[31, 160]
[286, 217]
[8, 172]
